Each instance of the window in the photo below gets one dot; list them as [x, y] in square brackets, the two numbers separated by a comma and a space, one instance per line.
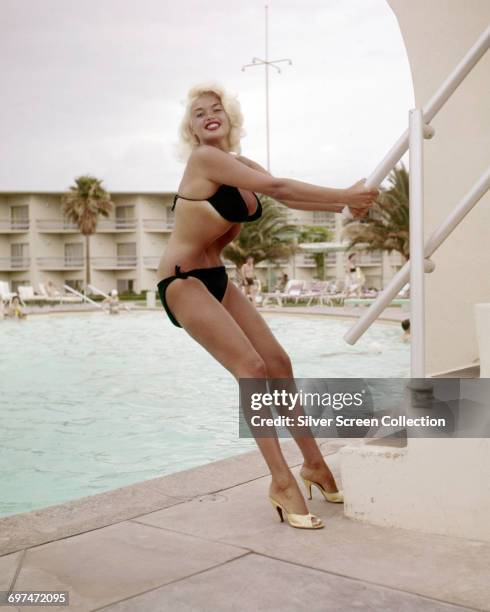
[73, 253]
[126, 254]
[19, 254]
[19, 217]
[125, 285]
[125, 217]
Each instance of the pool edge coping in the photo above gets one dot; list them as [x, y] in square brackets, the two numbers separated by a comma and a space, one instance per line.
[56, 522]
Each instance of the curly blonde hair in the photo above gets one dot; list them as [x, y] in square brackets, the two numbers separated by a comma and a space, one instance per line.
[231, 105]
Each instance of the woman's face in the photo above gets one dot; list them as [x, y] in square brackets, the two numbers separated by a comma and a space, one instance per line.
[209, 121]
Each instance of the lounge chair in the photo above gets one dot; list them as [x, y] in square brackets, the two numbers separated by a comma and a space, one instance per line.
[26, 294]
[57, 296]
[5, 292]
[319, 290]
[293, 291]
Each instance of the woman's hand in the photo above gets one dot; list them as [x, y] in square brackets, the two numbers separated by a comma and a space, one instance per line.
[359, 199]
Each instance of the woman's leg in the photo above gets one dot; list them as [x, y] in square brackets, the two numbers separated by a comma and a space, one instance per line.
[278, 365]
[209, 323]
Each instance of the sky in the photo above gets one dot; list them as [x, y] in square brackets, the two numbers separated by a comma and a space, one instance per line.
[99, 87]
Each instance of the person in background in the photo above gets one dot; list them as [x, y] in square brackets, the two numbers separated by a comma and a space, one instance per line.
[406, 330]
[248, 278]
[113, 302]
[14, 310]
[2, 309]
[51, 289]
[354, 277]
[281, 284]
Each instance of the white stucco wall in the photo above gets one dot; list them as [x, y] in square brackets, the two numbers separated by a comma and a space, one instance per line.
[437, 34]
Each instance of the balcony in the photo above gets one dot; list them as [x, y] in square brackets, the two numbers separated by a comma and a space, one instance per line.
[157, 225]
[151, 262]
[14, 226]
[120, 262]
[117, 225]
[14, 263]
[63, 226]
[370, 259]
[305, 260]
[56, 226]
[60, 263]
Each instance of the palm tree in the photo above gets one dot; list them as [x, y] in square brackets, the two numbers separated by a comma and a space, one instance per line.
[83, 204]
[271, 237]
[387, 226]
[316, 233]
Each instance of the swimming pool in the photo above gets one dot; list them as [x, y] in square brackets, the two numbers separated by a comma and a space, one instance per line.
[91, 402]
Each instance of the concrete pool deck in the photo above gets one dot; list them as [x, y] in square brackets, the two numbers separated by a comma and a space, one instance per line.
[208, 539]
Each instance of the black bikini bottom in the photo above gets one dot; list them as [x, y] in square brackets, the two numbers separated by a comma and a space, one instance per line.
[215, 279]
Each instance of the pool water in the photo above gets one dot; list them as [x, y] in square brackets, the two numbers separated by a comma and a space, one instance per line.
[91, 402]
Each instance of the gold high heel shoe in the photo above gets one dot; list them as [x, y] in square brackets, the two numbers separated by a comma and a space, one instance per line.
[337, 497]
[301, 521]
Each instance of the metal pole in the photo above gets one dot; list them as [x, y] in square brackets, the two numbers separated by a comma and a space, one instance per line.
[257, 61]
[417, 264]
[267, 88]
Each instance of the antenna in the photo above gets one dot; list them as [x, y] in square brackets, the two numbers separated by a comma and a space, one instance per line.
[257, 61]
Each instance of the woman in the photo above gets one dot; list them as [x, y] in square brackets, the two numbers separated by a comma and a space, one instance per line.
[217, 194]
[14, 310]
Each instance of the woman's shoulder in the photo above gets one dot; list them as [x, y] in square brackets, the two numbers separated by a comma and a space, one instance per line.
[206, 152]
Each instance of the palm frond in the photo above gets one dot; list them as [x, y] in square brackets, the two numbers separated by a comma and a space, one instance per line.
[85, 201]
[387, 228]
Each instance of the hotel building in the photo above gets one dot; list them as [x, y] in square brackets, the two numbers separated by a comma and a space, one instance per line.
[37, 244]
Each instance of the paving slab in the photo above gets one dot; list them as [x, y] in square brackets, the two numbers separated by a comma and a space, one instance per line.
[8, 566]
[256, 583]
[106, 565]
[448, 569]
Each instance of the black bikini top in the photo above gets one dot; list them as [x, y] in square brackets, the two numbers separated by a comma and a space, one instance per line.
[229, 203]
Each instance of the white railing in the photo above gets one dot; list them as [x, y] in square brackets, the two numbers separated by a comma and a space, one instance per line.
[60, 263]
[15, 262]
[121, 261]
[370, 258]
[419, 129]
[151, 261]
[14, 224]
[56, 225]
[60, 225]
[117, 224]
[157, 225]
[305, 260]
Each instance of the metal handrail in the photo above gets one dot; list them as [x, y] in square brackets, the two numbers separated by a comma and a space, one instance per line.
[84, 297]
[426, 114]
[103, 294]
[401, 278]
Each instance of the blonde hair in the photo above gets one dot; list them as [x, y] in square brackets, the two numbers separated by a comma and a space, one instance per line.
[231, 105]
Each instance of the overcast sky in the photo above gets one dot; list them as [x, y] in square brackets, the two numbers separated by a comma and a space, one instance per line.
[97, 86]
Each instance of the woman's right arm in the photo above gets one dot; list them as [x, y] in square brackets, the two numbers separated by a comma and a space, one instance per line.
[222, 168]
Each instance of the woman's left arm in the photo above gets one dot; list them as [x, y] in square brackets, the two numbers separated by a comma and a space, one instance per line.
[337, 208]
